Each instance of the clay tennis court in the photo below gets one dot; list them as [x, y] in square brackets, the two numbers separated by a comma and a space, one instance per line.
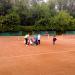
[45, 59]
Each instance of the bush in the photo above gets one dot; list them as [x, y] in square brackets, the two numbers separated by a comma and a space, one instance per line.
[26, 28]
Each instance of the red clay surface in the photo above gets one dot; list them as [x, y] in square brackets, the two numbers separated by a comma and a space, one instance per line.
[45, 59]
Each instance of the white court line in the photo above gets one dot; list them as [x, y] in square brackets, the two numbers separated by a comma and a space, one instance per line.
[44, 53]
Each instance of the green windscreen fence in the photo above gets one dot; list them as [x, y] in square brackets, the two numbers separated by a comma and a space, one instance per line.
[41, 32]
[70, 32]
[49, 32]
[22, 33]
[10, 33]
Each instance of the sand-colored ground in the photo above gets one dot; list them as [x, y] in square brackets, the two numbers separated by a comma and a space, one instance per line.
[45, 59]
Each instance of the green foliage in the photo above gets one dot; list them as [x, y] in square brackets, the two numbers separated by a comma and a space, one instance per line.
[42, 22]
[23, 17]
[9, 21]
[62, 21]
[5, 7]
[26, 28]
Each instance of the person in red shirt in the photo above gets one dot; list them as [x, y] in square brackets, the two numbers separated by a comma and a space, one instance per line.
[54, 40]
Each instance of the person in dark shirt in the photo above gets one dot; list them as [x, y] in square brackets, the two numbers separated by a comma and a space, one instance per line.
[54, 40]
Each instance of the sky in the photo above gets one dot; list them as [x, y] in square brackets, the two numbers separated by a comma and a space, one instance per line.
[45, 0]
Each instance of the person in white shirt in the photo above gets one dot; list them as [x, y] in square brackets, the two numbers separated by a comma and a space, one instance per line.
[39, 38]
[26, 38]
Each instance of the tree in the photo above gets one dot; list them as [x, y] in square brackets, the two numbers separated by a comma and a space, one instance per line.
[68, 5]
[62, 21]
[40, 13]
[9, 22]
[5, 7]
